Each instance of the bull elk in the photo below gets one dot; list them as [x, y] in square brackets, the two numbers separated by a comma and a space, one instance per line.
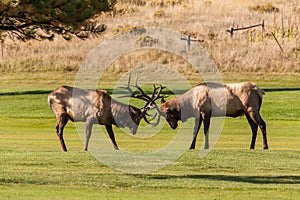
[97, 106]
[204, 102]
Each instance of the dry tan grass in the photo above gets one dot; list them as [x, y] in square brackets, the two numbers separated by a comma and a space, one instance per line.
[206, 20]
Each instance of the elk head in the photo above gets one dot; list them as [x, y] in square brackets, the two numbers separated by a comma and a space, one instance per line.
[172, 112]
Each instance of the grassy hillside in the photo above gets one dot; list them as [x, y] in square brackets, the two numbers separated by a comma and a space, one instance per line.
[252, 50]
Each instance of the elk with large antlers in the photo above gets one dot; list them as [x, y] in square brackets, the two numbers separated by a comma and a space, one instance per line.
[205, 101]
[92, 107]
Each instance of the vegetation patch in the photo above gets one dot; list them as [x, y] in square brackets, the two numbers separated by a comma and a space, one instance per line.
[268, 8]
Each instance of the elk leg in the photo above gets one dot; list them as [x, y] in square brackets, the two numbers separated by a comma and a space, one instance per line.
[62, 121]
[111, 135]
[254, 127]
[198, 121]
[88, 132]
[206, 122]
[255, 116]
[263, 128]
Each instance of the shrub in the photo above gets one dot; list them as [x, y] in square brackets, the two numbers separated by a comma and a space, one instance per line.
[268, 8]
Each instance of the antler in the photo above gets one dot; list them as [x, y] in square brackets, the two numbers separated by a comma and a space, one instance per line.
[152, 105]
[150, 101]
[141, 96]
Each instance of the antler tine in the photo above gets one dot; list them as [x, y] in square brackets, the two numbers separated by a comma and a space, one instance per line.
[129, 78]
[157, 114]
[128, 88]
[143, 95]
[157, 121]
[136, 80]
[158, 96]
[154, 91]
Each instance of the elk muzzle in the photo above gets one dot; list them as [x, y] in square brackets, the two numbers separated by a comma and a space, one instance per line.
[133, 129]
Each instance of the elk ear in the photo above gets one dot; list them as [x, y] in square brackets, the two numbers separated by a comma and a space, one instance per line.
[163, 100]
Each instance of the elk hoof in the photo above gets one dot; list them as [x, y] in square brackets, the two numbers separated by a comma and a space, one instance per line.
[266, 147]
[64, 150]
[116, 147]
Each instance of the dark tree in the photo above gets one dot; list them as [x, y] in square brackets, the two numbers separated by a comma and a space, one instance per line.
[43, 19]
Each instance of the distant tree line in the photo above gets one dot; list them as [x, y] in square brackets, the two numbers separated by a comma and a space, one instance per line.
[44, 19]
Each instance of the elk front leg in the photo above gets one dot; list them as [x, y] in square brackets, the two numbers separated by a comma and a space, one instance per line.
[198, 121]
[88, 132]
[112, 136]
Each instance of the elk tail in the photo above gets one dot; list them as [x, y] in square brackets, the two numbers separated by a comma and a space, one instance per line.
[259, 92]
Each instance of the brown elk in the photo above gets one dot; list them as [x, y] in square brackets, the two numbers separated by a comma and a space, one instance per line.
[97, 106]
[205, 101]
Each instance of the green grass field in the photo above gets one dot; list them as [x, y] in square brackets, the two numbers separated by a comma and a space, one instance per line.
[33, 167]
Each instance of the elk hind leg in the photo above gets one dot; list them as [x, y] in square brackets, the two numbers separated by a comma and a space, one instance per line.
[254, 127]
[257, 119]
[62, 120]
[198, 121]
[262, 126]
[206, 122]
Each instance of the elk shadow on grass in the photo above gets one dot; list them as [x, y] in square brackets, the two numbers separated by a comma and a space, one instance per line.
[284, 179]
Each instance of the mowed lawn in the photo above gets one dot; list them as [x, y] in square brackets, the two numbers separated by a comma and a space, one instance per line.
[33, 167]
